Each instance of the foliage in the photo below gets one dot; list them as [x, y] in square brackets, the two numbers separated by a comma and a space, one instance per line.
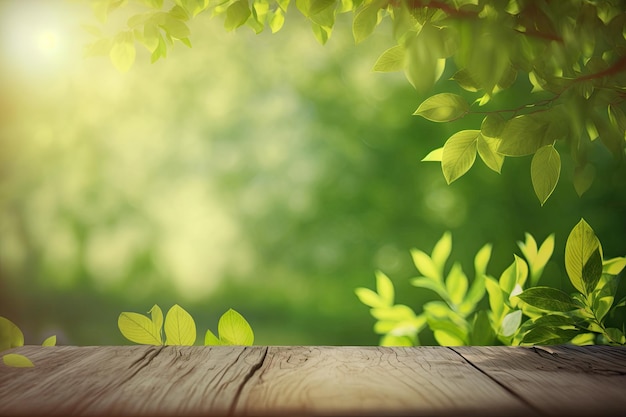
[11, 337]
[535, 315]
[180, 328]
[568, 58]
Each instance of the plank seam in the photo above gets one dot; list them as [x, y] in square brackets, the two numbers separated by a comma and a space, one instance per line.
[253, 370]
[503, 386]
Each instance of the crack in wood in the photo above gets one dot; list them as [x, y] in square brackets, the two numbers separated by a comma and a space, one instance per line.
[503, 386]
[253, 370]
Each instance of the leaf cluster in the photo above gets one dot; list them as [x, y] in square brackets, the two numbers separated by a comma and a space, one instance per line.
[179, 328]
[11, 337]
[517, 311]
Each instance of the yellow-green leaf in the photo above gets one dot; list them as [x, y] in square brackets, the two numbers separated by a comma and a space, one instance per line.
[369, 298]
[384, 287]
[210, 339]
[180, 329]
[545, 170]
[365, 21]
[10, 335]
[523, 135]
[487, 150]
[237, 14]
[139, 329]
[17, 361]
[276, 20]
[581, 245]
[443, 107]
[234, 329]
[434, 155]
[316, 6]
[123, 53]
[50, 341]
[157, 316]
[614, 266]
[583, 178]
[459, 154]
[390, 60]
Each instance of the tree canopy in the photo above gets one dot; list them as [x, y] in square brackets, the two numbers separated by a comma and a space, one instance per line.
[563, 64]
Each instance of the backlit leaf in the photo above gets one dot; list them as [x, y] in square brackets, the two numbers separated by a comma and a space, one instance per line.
[50, 341]
[581, 245]
[17, 361]
[442, 250]
[277, 20]
[396, 313]
[548, 298]
[443, 107]
[139, 329]
[234, 329]
[384, 287]
[523, 135]
[482, 333]
[211, 340]
[456, 284]
[365, 21]
[434, 155]
[369, 298]
[459, 154]
[546, 335]
[545, 170]
[237, 14]
[425, 265]
[613, 266]
[492, 125]
[123, 53]
[390, 60]
[316, 6]
[10, 335]
[482, 259]
[157, 316]
[487, 150]
[583, 178]
[592, 271]
[180, 329]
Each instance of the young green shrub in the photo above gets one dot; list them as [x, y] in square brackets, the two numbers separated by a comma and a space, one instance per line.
[515, 315]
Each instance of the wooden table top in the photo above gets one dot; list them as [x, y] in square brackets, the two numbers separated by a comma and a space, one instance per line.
[316, 380]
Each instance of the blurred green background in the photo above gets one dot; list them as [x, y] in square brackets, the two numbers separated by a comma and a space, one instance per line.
[266, 173]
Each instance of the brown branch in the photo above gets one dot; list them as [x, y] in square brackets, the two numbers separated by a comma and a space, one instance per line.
[540, 35]
[616, 68]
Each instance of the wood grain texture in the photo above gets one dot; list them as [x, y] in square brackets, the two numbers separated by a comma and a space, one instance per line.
[315, 381]
[373, 381]
[558, 380]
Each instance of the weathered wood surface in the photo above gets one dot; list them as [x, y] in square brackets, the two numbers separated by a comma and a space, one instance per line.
[316, 380]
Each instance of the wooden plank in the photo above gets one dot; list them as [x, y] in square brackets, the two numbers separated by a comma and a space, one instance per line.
[559, 380]
[127, 380]
[416, 381]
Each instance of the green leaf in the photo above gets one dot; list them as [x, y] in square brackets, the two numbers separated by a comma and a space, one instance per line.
[17, 361]
[390, 60]
[487, 150]
[583, 178]
[592, 271]
[443, 107]
[174, 27]
[555, 320]
[10, 335]
[365, 21]
[613, 266]
[390, 340]
[434, 155]
[425, 265]
[465, 80]
[157, 316]
[317, 6]
[481, 260]
[545, 170]
[523, 135]
[50, 341]
[482, 333]
[123, 53]
[211, 340]
[180, 329]
[447, 338]
[474, 295]
[456, 284]
[492, 125]
[459, 154]
[237, 14]
[277, 20]
[496, 299]
[139, 329]
[370, 298]
[321, 33]
[510, 323]
[581, 246]
[431, 284]
[549, 299]
[442, 250]
[384, 287]
[396, 313]
[508, 278]
[234, 329]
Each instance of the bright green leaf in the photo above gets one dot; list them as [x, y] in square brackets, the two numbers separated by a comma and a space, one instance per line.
[211, 340]
[123, 53]
[237, 14]
[613, 266]
[384, 287]
[396, 313]
[581, 245]
[434, 155]
[545, 170]
[390, 60]
[487, 150]
[523, 135]
[459, 154]
[456, 284]
[277, 20]
[481, 260]
[17, 361]
[482, 333]
[442, 250]
[50, 341]
[369, 298]
[234, 329]
[425, 265]
[180, 329]
[10, 335]
[443, 107]
[139, 329]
